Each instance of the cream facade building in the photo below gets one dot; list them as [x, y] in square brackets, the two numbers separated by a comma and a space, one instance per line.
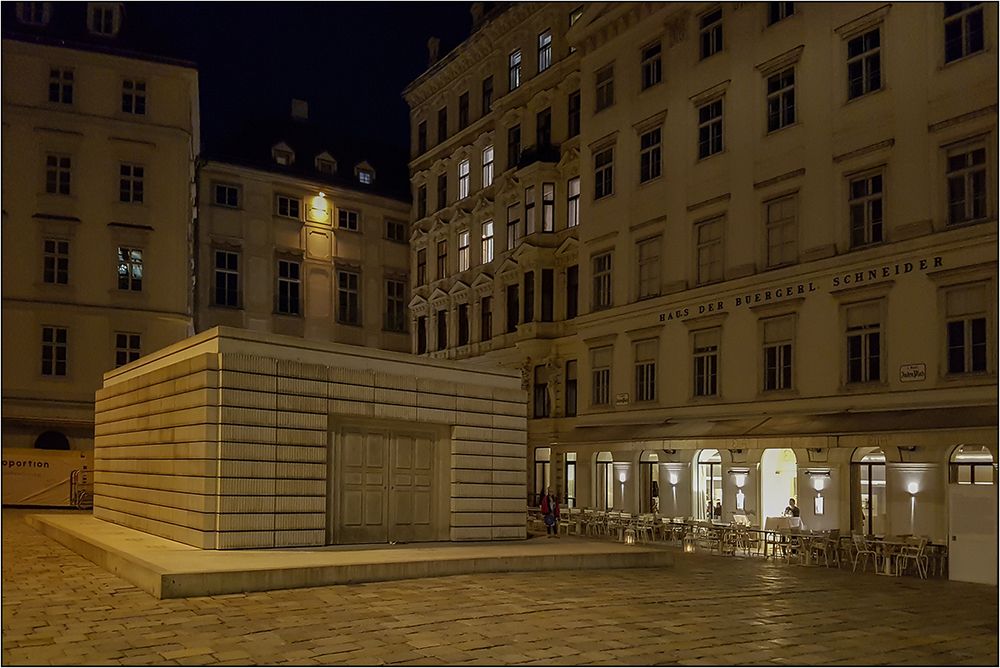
[786, 259]
[99, 150]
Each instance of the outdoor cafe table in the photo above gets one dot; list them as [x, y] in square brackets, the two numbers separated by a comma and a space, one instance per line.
[888, 549]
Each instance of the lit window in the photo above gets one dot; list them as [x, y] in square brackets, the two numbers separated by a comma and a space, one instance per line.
[348, 219]
[463, 250]
[778, 336]
[548, 207]
[287, 207]
[710, 33]
[706, 363]
[227, 195]
[487, 166]
[781, 99]
[604, 174]
[864, 64]
[710, 129]
[651, 67]
[514, 70]
[864, 343]
[127, 348]
[55, 262]
[289, 287]
[58, 169]
[103, 18]
[866, 210]
[963, 29]
[602, 281]
[967, 185]
[54, 351]
[130, 183]
[348, 298]
[544, 50]
[134, 97]
[573, 202]
[966, 310]
[463, 179]
[61, 85]
[129, 269]
[365, 176]
[227, 279]
[487, 241]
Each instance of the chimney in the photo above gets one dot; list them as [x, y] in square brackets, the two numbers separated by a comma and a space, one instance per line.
[433, 47]
[477, 15]
[300, 110]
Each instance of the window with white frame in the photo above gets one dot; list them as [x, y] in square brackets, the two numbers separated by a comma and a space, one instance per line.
[514, 69]
[781, 99]
[134, 97]
[463, 179]
[227, 279]
[55, 346]
[604, 172]
[529, 210]
[705, 353]
[645, 369]
[649, 155]
[710, 33]
[601, 265]
[463, 250]
[710, 128]
[865, 207]
[58, 170]
[966, 314]
[487, 241]
[600, 376]
[779, 334]
[227, 195]
[130, 269]
[128, 348]
[548, 207]
[487, 166]
[61, 85]
[967, 184]
[395, 305]
[348, 297]
[573, 202]
[652, 71]
[864, 342]
[963, 29]
[289, 287]
[708, 235]
[104, 18]
[604, 87]
[544, 50]
[130, 183]
[782, 230]
[779, 11]
[55, 261]
[348, 219]
[366, 176]
[648, 251]
[513, 225]
[864, 63]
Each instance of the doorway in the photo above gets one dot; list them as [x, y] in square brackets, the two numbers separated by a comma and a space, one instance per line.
[708, 501]
[649, 482]
[868, 509]
[605, 479]
[778, 481]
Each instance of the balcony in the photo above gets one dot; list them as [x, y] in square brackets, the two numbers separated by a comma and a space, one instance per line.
[542, 153]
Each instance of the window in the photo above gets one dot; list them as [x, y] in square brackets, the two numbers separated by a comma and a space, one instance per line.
[548, 287]
[54, 348]
[604, 173]
[548, 207]
[706, 363]
[33, 13]
[782, 227]
[779, 11]
[127, 348]
[710, 33]
[651, 67]
[966, 309]
[129, 269]
[422, 200]
[134, 97]
[227, 195]
[442, 329]
[570, 398]
[348, 298]
[573, 114]
[487, 241]
[971, 465]
[649, 267]
[963, 29]
[485, 318]
[463, 250]
[645, 369]
[395, 305]
[348, 219]
[487, 95]
[227, 279]
[514, 70]
[463, 179]
[540, 392]
[513, 146]
[604, 87]
[55, 261]
[58, 169]
[513, 305]
[442, 189]
[442, 124]
[781, 99]
[573, 202]
[572, 291]
[864, 341]
[529, 296]
[709, 251]
[778, 336]
[326, 165]
[649, 155]
[130, 178]
[574, 16]
[442, 259]
[422, 335]
[463, 110]
[487, 166]
[287, 207]
[710, 129]
[61, 85]
[529, 210]
[513, 225]
[289, 287]
[395, 230]
[544, 51]
[282, 155]
[463, 324]
[966, 185]
[366, 176]
[543, 128]
[421, 266]
[103, 18]
[865, 206]
[600, 365]
[864, 64]
[602, 281]
[421, 137]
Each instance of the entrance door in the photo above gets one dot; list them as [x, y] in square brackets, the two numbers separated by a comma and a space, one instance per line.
[383, 487]
[972, 533]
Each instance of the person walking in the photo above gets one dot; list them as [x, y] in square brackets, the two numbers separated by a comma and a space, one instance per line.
[550, 511]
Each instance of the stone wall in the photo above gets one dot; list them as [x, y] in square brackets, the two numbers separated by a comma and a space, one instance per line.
[224, 440]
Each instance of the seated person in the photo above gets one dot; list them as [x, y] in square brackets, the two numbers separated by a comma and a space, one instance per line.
[792, 510]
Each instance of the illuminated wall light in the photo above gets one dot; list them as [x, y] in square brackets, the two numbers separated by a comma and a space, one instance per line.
[819, 483]
[621, 477]
[673, 478]
[912, 487]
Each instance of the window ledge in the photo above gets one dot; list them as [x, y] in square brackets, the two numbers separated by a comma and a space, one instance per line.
[964, 58]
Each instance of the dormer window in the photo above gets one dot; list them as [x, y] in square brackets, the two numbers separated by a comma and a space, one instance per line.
[283, 154]
[365, 173]
[325, 164]
[104, 18]
[34, 13]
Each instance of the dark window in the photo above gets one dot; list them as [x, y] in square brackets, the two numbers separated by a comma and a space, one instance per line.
[573, 106]
[651, 67]
[967, 186]
[127, 348]
[463, 324]
[777, 11]
[604, 175]
[442, 124]
[604, 87]
[512, 307]
[289, 287]
[529, 296]
[348, 220]
[227, 279]
[421, 266]
[395, 230]
[540, 392]
[602, 281]
[548, 288]
[706, 363]
[463, 110]
[486, 319]
[421, 137]
[348, 298]
[864, 64]
[649, 155]
[543, 128]
[395, 305]
[710, 33]
[442, 329]
[529, 210]
[288, 207]
[572, 291]
[442, 201]
[487, 95]
[963, 29]
[422, 335]
[864, 339]
[422, 200]
[781, 99]
[61, 86]
[710, 129]
[134, 97]
[513, 146]
[51, 440]
[570, 399]
[54, 349]
[442, 259]
[58, 170]
[514, 70]
[866, 210]
[548, 207]
[55, 266]
[227, 195]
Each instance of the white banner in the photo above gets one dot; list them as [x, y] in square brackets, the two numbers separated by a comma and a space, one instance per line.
[34, 477]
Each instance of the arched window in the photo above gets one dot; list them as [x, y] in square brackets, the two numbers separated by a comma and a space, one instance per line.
[52, 440]
[709, 485]
[649, 482]
[971, 465]
[868, 511]
[605, 478]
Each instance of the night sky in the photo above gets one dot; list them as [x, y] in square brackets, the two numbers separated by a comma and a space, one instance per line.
[349, 60]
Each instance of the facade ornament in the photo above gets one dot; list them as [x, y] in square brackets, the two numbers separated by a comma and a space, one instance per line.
[676, 28]
[552, 369]
[526, 374]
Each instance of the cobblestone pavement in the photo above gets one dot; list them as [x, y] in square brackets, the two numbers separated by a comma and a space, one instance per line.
[59, 608]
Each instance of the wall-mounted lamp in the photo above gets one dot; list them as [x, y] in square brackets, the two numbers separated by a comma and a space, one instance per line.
[672, 477]
[621, 477]
[322, 194]
[912, 487]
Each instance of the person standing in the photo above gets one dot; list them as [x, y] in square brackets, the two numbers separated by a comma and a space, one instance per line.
[550, 512]
[792, 510]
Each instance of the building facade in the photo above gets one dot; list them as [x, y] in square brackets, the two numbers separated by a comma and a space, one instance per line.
[782, 278]
[99, 147]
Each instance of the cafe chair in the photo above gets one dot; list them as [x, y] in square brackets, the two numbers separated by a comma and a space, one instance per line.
[913, 551]
[862, 548]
